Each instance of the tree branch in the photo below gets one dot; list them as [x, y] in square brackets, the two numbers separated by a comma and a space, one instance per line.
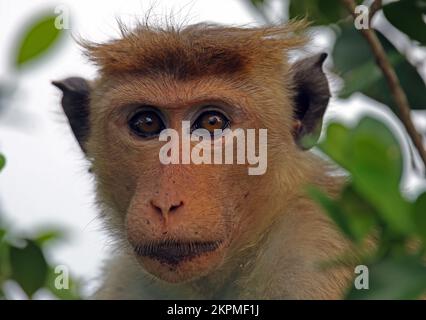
[388, 71]
[375, 6]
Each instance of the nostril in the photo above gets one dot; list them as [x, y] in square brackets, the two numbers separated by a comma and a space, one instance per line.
[163, 209]
[175, 207]
[156, 208]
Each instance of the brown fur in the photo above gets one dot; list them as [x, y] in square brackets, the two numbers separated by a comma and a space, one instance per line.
[275, 237]
[196, 51]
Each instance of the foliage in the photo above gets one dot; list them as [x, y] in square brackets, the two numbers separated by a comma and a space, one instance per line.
[2, 161]
[319, 12]
[37, 40]
[361, 73]
[24, 259]
[371, 204]
[414, 26]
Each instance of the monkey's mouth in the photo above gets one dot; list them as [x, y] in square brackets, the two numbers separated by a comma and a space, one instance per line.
[174, 252]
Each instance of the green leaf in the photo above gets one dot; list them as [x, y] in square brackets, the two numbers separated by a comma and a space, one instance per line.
[354, 62]
[362, 216]
[320, 12]
[2, 161]
[419, 216]
[407, 16]
[336, 144]
[48, 236]
[361, 79]
[377, 150]
[394, 278]
[372, 155]
[72, 293]
[377, 170]
[257, 3]
[29, 267]
[369, 145]
[2, 234]
[37, 40]
[352, 214]
[333, 210]
[4, 259]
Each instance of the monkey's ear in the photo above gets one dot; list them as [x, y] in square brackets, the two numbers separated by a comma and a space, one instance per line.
[311, 98]
[75, 102]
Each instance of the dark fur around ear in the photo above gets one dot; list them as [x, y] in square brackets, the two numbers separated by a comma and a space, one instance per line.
[311, 98]
[75, 102]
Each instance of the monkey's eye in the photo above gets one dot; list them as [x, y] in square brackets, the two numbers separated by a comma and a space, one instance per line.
[211, 120]
[146, 124]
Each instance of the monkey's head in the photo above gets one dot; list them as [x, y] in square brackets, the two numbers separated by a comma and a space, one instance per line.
[183, 220]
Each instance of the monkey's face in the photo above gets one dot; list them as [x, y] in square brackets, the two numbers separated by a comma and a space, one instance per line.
[181, 220]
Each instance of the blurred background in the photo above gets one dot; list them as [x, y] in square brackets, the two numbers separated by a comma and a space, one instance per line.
[46, 192]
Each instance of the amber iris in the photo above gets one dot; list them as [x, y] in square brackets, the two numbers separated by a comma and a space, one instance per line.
[146, 124]
[211, 120]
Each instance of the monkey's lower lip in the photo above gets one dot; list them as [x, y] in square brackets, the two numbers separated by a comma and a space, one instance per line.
[174, 252]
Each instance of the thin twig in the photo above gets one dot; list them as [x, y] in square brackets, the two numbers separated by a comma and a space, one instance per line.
[397, 92]
[375, 6]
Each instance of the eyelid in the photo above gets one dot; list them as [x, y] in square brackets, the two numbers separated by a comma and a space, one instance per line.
[207, 108]
[142, 108]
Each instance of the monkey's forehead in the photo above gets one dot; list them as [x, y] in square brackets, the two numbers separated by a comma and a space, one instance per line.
[196, 50]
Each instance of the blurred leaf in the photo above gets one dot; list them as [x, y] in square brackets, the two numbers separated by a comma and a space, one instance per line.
[333, 210]
[47, 236]
[335, 144]
[4, 257]
[320, 12]
[377, 170]
[419, 210]
[257, 3]
[361, 79]
[64, 294]
[372, 155]
[38, 38]
[2, 161]
[394, 278]
[407, 16]
[354, 61]
[352, 214]
[29, 267]
[361, 215]
[377, 150]
[370, 144]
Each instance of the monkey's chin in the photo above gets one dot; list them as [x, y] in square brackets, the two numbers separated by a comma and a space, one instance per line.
[183, 268]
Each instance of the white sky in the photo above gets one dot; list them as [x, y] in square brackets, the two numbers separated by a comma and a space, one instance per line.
[45, 181]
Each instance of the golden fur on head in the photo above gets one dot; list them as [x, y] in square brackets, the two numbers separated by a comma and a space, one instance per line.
[195, 50]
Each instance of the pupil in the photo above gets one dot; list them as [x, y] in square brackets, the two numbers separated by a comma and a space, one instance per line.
[146, 124]
[213, 120]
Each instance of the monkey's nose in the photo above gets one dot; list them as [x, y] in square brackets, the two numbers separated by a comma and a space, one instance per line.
[166, 207]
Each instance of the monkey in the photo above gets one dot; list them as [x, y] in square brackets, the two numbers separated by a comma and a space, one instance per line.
[206, 231]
